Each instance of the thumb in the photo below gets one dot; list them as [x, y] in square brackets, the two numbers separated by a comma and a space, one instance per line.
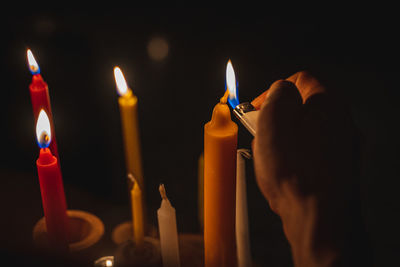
[274, 136]
[279, 109]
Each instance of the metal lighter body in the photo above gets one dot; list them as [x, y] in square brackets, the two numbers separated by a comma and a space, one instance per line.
[247, 115]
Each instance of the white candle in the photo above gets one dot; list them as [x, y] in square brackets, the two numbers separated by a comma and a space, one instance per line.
[168, 231]
[242, 220]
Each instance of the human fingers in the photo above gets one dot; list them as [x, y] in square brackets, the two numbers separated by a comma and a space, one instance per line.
[257, 102]
[307, 84]
[273, 139]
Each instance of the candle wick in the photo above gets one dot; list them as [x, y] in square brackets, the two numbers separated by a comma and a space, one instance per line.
[132, 179]
[163, 193]
[224, 99]
[245, 153]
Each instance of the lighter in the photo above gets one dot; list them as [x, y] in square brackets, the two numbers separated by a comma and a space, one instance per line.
[245, 112]
[247, 115]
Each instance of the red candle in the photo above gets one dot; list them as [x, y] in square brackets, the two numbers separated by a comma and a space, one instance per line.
[40, 97]
[51, 187]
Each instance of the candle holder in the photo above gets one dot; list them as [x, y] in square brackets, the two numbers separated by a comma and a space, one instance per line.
[124, 232]
[191, 246]
[85, 230]
[147, 255]
[191, 250]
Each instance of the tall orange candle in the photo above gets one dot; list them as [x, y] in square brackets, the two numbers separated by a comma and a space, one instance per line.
[220, 143]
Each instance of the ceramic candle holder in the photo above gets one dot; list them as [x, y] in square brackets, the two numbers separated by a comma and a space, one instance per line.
[191, 250]
[86, 230]
[191, 247]
[123, 232]
[147, 255]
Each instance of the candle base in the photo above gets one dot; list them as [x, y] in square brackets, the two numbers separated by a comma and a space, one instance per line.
[191, 250]
[85, 230]
[191, 246]
[147, 255]
[123, 232]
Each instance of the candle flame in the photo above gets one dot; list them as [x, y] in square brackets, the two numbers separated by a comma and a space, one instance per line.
[231, 85]
[122, 87]
[33, 65]
[43, 130]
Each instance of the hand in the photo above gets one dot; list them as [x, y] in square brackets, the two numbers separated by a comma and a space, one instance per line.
[306, 163]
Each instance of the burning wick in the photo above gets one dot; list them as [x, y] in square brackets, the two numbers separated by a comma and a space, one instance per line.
[43, 130]
[44, 138]
[33, 65]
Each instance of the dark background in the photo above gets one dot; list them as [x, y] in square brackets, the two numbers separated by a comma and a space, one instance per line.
[353, 52]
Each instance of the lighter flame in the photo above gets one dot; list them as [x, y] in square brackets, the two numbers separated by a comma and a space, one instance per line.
[122, 87]
[33, 65]
[43, 130]
[231, 80]
[109, 263]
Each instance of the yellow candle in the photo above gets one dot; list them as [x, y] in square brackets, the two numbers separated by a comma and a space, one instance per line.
[220, 143]
[137, 212]
[130, 127]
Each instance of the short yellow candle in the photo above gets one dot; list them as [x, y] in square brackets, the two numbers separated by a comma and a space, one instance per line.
[137, 212]
[130, 127]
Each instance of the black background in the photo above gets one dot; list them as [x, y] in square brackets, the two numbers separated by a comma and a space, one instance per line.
[353, 52]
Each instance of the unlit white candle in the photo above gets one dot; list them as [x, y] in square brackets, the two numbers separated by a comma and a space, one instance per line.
[168, 232]
[242, 220]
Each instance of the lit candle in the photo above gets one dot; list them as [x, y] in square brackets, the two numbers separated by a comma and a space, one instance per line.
[220, 142]
[168, 231]
[242, 221]
[51, 187]
[130, 127]
[137, 211]
[40, 98]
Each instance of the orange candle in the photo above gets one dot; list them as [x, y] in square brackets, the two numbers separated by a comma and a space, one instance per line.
[220, 143]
